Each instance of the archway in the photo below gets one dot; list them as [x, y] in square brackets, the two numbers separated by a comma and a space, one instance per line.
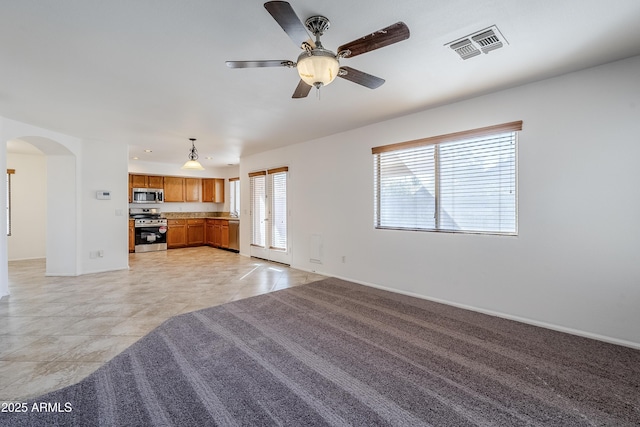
[61, 207]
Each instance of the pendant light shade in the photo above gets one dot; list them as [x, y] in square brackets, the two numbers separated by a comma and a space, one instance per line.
[193, 163]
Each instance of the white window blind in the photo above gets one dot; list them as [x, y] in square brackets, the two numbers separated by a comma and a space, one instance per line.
[278, 196]
[457, 182]
[406, 194]
[257, 184]
[9, 173]
[234, 196]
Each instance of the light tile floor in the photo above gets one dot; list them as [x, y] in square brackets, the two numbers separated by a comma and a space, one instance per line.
[54, 331]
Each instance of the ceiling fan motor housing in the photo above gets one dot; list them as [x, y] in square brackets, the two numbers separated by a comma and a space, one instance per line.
[317, 25]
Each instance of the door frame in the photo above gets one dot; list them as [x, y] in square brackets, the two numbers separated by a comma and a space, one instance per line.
[267, 252]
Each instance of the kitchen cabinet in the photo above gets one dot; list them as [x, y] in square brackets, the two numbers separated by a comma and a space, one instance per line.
[132, 236]
[218, 233]
[176, 233]
[192, 189]
[146, 181]
[155, 181]
[224, 234]
[195, 232]
[173, 189]
[179, 189]
[213, 190]
[209, 232]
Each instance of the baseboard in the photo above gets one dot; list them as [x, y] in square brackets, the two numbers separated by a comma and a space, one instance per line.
[104, 270]
[26, 259]
[525, 320]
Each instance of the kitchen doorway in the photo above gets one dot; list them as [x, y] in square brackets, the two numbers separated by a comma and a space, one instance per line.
[270, 215]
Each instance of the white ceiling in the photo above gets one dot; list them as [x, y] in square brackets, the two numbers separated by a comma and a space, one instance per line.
[152, 73]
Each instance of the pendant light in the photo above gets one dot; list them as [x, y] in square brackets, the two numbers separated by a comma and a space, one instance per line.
[193, 162]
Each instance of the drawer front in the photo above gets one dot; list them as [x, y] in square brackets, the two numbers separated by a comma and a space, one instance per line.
[171, 222]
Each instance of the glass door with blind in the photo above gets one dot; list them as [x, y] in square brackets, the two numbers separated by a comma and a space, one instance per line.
[269, 215]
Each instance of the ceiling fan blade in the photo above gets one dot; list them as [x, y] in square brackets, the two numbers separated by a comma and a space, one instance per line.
[302, 90]
[362, 78]
[392, 34]
[284, 15]
[257, 64]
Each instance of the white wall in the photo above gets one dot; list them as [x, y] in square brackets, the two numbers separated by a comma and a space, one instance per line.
[4, 278]
[76, 224]
[574, 266]
[28, 206]
[63, 227]
[104, 223]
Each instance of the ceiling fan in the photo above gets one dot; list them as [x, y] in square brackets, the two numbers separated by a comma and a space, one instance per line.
[316, 65]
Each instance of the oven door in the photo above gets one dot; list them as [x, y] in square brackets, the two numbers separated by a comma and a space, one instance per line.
[151, 238]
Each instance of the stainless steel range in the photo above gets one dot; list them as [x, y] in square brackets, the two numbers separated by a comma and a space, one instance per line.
[150, 229]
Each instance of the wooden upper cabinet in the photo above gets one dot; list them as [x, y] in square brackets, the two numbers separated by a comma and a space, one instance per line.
[207, 190]
[181, 189]
[192, 189]
[146, 181]
[219, 190]
[213, 190]
[173, 189]
[155, 181]
[138, 181]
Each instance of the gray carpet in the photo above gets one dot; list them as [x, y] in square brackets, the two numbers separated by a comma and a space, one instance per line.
[337, 353]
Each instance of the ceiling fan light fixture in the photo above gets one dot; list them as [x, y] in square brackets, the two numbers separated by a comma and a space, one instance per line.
[193, 163]
[318, 67]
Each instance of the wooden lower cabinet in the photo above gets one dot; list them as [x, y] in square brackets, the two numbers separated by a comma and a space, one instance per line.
[208, 232]
[132, 236]
[218, 233]
[195, 232]
[224, 234]
[198, 232]
[176, 233]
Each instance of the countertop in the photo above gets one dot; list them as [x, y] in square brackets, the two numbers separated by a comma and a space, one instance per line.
[204, 215]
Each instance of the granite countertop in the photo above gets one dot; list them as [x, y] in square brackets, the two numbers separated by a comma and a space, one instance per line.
[191, 215]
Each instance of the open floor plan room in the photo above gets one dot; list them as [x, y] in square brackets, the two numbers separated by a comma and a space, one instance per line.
[54, 331]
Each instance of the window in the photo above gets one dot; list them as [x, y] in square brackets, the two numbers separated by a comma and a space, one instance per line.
[8, 204]
[269, 208]
[461, 182]
[234, 197]
[278, 192]
[258, 190]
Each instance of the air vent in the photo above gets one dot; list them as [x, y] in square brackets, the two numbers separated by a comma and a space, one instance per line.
[483, 41]
[488, 41]
[465, 49]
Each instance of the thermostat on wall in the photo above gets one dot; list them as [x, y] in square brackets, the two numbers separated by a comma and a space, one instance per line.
[103, 195]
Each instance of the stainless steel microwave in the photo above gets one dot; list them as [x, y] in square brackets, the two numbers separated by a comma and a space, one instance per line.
[147, 195]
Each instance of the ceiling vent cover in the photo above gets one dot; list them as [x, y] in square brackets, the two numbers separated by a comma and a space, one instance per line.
[483, 41]
[488, 41]
[465, 49]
